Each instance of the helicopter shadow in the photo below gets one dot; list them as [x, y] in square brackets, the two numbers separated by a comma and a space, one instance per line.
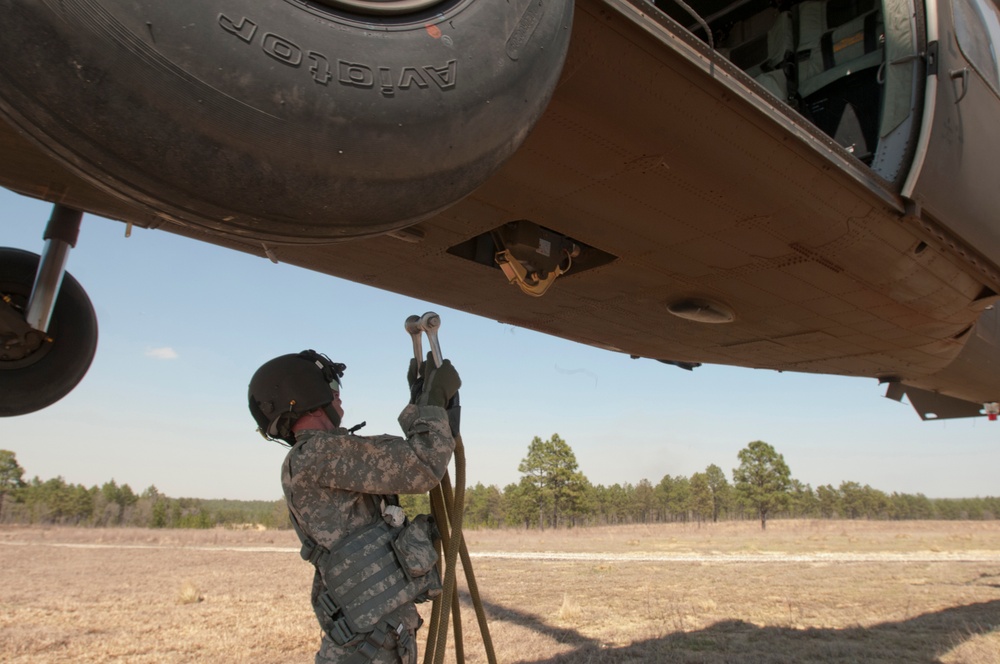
[922, 638]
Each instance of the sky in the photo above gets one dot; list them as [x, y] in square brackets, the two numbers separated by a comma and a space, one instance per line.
[184, 324]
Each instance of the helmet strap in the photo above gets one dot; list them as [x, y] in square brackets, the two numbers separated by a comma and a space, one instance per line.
[332, 414]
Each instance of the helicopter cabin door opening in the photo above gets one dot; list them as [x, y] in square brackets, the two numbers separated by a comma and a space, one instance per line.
[849, 67]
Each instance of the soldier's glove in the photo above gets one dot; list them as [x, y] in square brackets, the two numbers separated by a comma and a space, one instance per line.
[440, 386]
[416, 382]
[454, 415]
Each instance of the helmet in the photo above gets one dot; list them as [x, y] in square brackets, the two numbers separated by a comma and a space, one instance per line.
[289, 386]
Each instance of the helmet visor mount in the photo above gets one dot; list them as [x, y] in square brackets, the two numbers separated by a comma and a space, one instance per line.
[333, 372]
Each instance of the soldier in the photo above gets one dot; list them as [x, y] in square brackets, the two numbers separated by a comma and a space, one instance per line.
[341, 494]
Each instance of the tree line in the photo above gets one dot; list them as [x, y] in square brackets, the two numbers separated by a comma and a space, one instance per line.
[551, 493]
[58, 502]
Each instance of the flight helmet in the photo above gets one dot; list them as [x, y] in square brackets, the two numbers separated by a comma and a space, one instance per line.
[287, 387]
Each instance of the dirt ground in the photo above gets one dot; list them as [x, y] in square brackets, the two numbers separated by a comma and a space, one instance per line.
[800, 592]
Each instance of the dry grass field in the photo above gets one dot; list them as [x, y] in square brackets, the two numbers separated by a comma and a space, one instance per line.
[802, 591]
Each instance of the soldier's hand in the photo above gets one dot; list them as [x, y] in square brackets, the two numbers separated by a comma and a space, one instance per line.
[411, 373]
[415, 380]
[441, 385]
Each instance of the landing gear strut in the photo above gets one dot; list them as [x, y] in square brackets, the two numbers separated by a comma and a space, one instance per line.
[48, 329]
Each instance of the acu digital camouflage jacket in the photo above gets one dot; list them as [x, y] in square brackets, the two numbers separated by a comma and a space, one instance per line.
[330, 477]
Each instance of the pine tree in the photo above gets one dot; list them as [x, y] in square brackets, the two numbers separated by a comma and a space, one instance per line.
[550, 467]
[762, 479]
[721, 490]
[11, 475]
[700, 499]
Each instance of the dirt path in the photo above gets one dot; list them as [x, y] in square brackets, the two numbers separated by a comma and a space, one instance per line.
[636, 557]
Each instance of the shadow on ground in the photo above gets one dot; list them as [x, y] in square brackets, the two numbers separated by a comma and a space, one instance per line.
[923, 638]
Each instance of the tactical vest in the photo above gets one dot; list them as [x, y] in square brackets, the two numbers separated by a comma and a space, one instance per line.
[373, 572]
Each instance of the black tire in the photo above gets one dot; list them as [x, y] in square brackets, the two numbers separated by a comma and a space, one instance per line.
[286, 120]
[50, 373]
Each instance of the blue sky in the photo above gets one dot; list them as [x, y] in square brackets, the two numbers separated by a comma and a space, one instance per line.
[184, 324]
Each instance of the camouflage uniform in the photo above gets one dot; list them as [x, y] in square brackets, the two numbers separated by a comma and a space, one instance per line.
[333, 482]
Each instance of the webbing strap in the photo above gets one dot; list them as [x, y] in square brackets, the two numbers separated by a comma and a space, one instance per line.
[377, 640]
[871, 32]
[341, 632]
[391, 591]
[826, 48]
[311, 551]
[327, 603]
[361, 542]
[386, 569]
[371, 549]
